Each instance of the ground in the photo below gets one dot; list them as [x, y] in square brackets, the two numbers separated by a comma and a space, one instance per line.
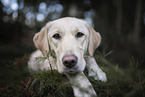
[16, 81]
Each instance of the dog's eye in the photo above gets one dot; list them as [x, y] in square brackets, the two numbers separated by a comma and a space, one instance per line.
[79, 34]
[56, 36]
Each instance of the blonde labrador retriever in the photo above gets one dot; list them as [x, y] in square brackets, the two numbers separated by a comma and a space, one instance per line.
[69, 44]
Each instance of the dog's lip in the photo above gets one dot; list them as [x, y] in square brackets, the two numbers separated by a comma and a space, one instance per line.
[70, 70]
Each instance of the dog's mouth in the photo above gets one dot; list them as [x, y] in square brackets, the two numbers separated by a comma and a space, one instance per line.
[71, 70]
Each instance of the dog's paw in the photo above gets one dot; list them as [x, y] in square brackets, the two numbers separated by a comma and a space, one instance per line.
[98, 75]
[101, 76]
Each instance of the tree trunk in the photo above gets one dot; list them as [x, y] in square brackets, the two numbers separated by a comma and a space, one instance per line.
[119, 16]
[137, 22]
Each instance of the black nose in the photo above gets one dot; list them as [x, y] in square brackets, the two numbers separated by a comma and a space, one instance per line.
[69, 61]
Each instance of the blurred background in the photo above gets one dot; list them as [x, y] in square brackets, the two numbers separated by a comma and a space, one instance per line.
[121, 24]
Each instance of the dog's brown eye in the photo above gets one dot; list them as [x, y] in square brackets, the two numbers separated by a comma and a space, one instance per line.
[56, 36]
[79, 34]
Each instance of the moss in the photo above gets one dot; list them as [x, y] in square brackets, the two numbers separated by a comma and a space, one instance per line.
[122, 82]
[49, 84]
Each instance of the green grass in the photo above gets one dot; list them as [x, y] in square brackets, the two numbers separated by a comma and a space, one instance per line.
[122, 82]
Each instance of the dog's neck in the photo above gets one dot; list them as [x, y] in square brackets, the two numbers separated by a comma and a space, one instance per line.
[81, 85]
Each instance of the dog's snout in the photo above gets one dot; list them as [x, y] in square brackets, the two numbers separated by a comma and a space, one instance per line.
[69, 61]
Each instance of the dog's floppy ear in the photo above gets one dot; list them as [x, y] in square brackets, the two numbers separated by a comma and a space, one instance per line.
[40, 40]
[94, 40]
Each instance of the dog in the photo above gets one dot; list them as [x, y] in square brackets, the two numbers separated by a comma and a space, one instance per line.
[69, 44]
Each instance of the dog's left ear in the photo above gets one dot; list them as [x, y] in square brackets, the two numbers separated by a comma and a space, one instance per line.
[94, 40]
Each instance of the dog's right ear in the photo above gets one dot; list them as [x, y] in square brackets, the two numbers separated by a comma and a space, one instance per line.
[40, 40]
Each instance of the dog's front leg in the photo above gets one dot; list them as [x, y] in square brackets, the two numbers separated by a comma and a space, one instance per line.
[81, 85]
[94, 70]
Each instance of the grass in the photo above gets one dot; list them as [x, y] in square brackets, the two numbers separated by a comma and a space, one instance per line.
[122, 82]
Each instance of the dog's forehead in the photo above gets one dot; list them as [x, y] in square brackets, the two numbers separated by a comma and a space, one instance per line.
[69, 20]
[68, 23]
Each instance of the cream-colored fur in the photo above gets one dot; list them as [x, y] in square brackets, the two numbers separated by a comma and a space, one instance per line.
[68, 43]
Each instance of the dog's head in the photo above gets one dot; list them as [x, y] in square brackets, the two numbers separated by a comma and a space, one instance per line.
[70, 39]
